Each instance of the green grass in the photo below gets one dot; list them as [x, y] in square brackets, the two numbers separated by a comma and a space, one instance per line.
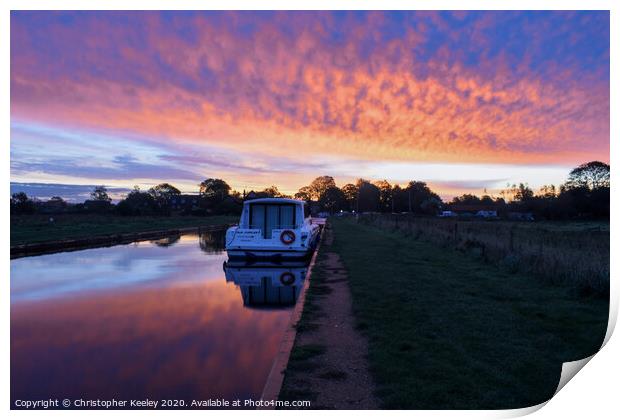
[37, 228]
[448, 331]
[575, 254]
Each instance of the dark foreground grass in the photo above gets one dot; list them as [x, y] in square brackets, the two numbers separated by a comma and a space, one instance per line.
[37, 228]
[447, 331]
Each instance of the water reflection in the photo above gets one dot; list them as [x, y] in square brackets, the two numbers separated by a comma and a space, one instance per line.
[267, 287]
[213, 242]
[166, 242]
[147, 320]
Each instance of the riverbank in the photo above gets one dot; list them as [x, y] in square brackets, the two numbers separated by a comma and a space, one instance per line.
[447, 330]
[328, 365]
[36, 234]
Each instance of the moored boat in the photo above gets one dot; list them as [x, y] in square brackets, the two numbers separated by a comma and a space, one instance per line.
[272, 229]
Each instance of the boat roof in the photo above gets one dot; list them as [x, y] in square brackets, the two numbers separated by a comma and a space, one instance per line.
[274, 201]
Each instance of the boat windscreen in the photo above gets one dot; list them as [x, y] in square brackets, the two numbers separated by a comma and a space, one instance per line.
[267, 217]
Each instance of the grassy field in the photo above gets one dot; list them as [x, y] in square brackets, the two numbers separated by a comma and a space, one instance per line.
[37, 228]
[575, 254]
[448, 331]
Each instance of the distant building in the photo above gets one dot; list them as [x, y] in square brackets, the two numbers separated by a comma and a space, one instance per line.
[470, 208]
[474, 210]
[447, 213]
[487, 214]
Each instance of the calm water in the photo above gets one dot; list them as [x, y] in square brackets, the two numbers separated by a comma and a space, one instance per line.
[154, 319]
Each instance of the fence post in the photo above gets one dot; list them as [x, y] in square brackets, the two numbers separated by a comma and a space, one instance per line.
[456, 232]
[511, 246]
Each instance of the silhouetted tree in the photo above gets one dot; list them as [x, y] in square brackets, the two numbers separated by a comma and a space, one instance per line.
[417, 193]
[431, 206]
[591, 175]
[100, 193]
[368, 197]
[350, 192]
[385, 196]
[138, 203]
[214, 189]
[399, 199]
[518, 193]
[272, 192]
[304, 194]
[547, 191]
[466, 199]
[332, 200]
[320, 185]
[164, 192]
[21, 204]
[523, 193]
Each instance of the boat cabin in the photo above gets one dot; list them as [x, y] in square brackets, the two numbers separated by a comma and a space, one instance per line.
[268, 214]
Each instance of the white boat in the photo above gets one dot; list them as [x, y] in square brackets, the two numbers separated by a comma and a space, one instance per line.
[272, 229]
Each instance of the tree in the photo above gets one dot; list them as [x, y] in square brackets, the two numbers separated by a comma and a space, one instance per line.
[138, 203]
[385, 195]
[320, 185]
[164, 192]
[368, 196]
[271, 192]
[417, 193]
[431, 205]
[350, 192]
[547, 191]
[591, 175]
[400, 199]
[523, 193]
[518, 193]
[100, 193]
[213, 188]
[55, 203]
[21, 204]
[304, 194]
[466, 199]
[332, 200]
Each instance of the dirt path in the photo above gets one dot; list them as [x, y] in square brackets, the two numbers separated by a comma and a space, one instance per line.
[329, 360]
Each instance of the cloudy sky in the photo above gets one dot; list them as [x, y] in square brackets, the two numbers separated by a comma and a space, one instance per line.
[462, 100]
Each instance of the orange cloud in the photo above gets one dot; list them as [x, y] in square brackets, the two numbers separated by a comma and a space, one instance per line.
[298, 92]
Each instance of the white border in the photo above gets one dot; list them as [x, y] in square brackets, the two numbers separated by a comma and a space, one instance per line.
[592, 394]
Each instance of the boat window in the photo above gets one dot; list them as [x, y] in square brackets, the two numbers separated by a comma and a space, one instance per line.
[267, 217]
[287, 216]
[271, 222]
[257, 216]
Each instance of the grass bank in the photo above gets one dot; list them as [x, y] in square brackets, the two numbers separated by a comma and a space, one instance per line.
[575, 254]
[449, 331]
[38, 228]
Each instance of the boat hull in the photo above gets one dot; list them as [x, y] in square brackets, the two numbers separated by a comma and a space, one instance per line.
[269, 255]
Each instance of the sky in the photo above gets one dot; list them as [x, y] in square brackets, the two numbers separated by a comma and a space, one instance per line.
[466, 101]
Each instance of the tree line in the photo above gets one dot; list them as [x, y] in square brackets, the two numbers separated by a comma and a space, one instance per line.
[585, 194]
